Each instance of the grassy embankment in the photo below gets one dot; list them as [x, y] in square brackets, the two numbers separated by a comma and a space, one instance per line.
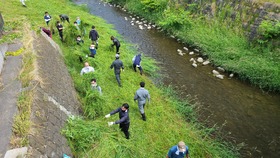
[89, 135]
[224, 45]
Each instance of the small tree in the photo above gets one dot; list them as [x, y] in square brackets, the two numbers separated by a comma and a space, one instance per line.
[269, 32]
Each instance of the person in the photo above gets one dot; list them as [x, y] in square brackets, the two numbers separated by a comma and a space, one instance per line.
[124, 119]
[23, 3]
[92, 50]
[93, 35]
[137, 63]
[141, 96]
[79, 40]
[94, 86]
[116, 43]
[64, 17]
[47, 18]
[60, 30]
[47, 31]
[87, 69]
[76, 25]
[117, 65]
[78, 20]
[178, 151]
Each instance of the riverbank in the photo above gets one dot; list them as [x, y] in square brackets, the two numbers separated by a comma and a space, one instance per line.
[91, 135]
[223, 45]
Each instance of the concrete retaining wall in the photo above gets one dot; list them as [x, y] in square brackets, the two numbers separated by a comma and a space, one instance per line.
[54, 101]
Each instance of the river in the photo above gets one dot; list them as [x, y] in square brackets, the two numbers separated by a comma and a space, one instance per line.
[246, 115]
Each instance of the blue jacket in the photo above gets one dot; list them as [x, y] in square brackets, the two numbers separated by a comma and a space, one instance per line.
[92, 51]
[137, 59]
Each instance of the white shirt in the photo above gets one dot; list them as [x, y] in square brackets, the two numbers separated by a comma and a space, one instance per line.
[87, 70]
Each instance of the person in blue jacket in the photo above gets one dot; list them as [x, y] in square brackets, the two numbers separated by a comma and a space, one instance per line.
[178, 151]
[47, 18]
[137, 63]
[124, 119]
[92, 50]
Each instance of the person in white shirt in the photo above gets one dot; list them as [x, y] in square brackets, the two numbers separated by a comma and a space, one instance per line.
[87, 69]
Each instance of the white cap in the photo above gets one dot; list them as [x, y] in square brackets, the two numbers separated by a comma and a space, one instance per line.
[117, 56]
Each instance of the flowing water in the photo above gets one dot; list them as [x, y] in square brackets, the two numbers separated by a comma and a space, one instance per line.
[247, 116]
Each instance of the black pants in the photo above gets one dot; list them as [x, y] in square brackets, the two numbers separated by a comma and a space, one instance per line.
[124, 128]
[63, 19]
[140, 68]
[60, 35]
[117, 49]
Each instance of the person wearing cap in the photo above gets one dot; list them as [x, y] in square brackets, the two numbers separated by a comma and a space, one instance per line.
[141, 95]
[137, 63]
[178, 151]
[87, 69]
[116, 43]
[117, 65]
[124, 119]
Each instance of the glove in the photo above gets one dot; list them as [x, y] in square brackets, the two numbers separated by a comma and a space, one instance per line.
[111, 123]
[107, 116]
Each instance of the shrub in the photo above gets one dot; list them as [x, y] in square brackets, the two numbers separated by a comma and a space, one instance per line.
[268, 31]
[153, 5]
[175, 18]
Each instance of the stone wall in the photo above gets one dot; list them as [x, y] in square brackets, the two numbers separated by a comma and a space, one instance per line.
[246, 14]
[54, 101]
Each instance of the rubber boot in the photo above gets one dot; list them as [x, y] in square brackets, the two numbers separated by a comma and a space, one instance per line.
[127, 135]
[143, 117]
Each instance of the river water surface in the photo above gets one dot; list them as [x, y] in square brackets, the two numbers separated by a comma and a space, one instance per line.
[248, 116]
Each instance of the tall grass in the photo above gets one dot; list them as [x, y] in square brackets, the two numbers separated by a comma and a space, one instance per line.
[168, 119]
[225, 45]
[22, 124]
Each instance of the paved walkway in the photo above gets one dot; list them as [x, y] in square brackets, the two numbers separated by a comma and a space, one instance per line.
[8, 99]
[55, 99]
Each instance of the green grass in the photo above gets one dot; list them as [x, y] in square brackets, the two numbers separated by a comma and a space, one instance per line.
[225, 45]
[22, 123]
[169, 119]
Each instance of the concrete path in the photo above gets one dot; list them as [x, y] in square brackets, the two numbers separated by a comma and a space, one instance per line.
[8, 99]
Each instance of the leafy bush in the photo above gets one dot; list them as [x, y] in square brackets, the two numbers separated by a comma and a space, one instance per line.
[268, 31]
[175, 18]
[121, 2]
[153, 5]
